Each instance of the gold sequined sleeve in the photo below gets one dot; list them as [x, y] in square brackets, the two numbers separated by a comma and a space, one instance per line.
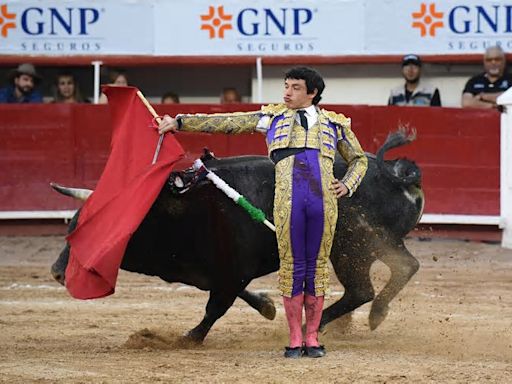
[236, 122]
[351, 150]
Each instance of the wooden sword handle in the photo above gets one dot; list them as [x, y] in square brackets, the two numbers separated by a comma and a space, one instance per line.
[158, 120]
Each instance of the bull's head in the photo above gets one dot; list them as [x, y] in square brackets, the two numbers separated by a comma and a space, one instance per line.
[58, 269]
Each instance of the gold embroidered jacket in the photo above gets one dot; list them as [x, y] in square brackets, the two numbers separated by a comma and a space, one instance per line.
[276, 121]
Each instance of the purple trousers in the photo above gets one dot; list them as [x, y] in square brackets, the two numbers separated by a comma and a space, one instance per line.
[299, 213]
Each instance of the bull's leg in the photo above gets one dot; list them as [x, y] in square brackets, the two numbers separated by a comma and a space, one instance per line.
[358, 290]
[218, 303]
[403, 266]
[260, 302]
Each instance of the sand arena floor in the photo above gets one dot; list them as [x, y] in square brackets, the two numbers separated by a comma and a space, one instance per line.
[451, 324]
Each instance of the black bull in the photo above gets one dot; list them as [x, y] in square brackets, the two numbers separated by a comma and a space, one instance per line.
[202, 238]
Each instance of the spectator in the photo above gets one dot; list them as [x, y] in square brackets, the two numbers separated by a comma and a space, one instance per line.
[118, 78]
[482, 90]
[170, 98]
[414, 92]
[23, 80]
[66, 89]
[230, 96]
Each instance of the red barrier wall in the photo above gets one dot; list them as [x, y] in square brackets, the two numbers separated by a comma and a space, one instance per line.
[457, 150]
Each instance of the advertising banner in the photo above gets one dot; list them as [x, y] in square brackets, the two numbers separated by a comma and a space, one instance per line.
[266, 27]
[76, 27]
[249, 28]
[437, 27]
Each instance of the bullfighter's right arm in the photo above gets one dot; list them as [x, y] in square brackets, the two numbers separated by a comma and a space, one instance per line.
[236, 122]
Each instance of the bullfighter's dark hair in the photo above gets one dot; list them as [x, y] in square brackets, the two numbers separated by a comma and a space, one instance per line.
[312, 78]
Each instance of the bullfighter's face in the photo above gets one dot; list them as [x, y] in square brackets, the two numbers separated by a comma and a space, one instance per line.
[296, 94]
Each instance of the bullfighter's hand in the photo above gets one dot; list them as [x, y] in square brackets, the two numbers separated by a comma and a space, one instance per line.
[168, 124]
[338, 188]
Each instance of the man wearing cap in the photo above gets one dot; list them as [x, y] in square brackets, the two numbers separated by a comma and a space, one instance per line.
[414, 92]
[482, 90]
[22, 89]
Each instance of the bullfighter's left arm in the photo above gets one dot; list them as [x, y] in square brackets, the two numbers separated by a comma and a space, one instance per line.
[236, 122]
[351, 151]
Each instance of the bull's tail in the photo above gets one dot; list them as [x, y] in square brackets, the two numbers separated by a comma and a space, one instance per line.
[403, 171]
[77, 193]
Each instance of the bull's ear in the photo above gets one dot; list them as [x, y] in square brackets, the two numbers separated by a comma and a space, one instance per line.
[207, 154]
[77, 193]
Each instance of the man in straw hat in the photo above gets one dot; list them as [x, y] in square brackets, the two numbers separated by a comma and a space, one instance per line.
[22, 88]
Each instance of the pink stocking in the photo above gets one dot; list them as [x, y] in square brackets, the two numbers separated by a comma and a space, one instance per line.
[314, 306]
[293, 309]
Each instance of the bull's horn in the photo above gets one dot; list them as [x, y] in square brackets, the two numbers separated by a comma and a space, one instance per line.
[77, 193]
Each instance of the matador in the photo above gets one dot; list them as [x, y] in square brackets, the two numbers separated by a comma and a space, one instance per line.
[302, 140]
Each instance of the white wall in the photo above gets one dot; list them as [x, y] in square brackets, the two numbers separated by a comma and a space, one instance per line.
[371, 83]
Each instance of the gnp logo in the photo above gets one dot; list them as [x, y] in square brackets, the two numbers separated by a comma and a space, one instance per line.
[6, 20]
[256, 22]
[216, 22]
[44, 29]
[427, 21]
[50, 21]
[464, 20]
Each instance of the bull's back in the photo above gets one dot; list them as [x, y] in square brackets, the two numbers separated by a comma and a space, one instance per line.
[196, 236]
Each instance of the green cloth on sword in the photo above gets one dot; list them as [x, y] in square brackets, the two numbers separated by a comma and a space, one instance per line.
[256, 213]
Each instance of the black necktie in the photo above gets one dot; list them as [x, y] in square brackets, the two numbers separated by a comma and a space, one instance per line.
[303, 120]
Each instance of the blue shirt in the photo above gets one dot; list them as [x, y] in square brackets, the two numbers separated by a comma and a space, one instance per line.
[7, 96]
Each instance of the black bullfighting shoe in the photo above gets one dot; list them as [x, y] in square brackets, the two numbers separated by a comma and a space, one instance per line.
[315, 351]
[293, 353]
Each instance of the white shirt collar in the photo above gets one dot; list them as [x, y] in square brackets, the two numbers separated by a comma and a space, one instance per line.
[311, 115]
[311, 111]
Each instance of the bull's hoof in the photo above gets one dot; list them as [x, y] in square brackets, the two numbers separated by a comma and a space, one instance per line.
[377, 316]
[193, 337]
[268, 309]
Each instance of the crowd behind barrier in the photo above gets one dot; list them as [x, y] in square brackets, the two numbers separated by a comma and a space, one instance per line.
[480, 91]
[24, 83]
